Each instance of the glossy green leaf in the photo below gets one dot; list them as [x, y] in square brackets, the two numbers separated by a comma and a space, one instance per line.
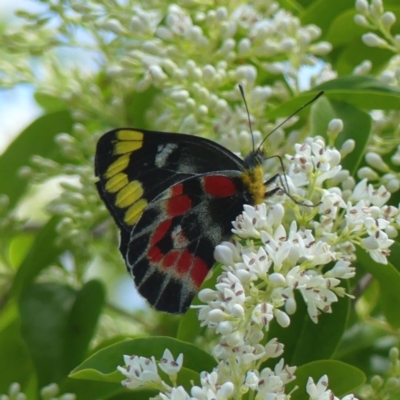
[41, 254]
[82, 323]
[389, 281]
[49, 102]
[45, 312]
[362, 91]
[37, 138]
[359, 345]
[58, 324]
[394, 257]
[294, 103]
[136, 106]
[19, 247]
[306, 341]
[356, 53]
[322, 13]
[15, 362]
[143, 394]
[94, 390]
[103, 364]
[343, 378]
[343, 30]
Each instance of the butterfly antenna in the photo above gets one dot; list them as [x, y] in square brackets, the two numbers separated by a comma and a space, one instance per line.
[248, 115]
[290, 116]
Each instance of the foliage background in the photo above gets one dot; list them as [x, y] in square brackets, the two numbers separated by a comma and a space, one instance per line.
[53, 313]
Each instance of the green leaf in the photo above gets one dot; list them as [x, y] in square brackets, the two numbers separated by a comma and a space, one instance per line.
[82, 323]
[15, 362]
[356, 126]
[42, 253]
[359, 345]
[102, 365]
[58, 324]
[322, 13]
[136, 106]
[306, 341]
[294, 103]
[389, 281]
[45, 312]
[343, 378]
[48, 102]
[37, 138]
[343, 30]
[95, 390]
[19, 247]
[361, 91]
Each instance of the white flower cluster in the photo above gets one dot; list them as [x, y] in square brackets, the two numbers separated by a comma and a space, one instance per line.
[49, 392]
[140, 371]
[272, 259]
[373, 16]
[143, 372]
[320, 391]
[195, 98]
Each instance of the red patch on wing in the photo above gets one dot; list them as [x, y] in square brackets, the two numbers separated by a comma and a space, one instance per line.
[186, 262]
[160, 232]
[177, 190]
[199, 271]
[178, 205]
[171, 259]
[154, 254]
[219, 186]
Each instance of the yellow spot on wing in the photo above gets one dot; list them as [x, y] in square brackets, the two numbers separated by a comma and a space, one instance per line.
[130, 135]
[117, 166]
[116, 183]
[134, 212]
[126, 146]
[253, 180]
[129, 194]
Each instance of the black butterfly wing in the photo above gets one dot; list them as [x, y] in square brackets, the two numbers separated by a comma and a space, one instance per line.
[171, 247]
[134, 166]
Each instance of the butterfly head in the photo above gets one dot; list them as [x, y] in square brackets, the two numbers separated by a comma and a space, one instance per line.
[255, 159]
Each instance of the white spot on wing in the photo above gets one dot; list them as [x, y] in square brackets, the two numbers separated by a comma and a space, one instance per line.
[163, 152]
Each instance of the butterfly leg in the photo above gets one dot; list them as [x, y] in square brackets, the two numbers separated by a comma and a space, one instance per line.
[271, 192]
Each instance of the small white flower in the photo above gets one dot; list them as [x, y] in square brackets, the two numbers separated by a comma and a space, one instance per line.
[273, 349]
[252, 380]
[341, 269]
[378, 197]
[139, 371]
[262, 314]
[317, 390]
[178, 393]
[169, 365]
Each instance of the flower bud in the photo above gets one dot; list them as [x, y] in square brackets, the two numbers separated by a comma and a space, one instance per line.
[388, 19]
[376, 161]
[335, 126]
[361, 20]
[368, 173]
[362, 6]
[373, 40]
[113, 25]
[363, 69]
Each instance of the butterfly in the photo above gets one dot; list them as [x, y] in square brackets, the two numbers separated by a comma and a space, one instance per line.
[174, 197]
